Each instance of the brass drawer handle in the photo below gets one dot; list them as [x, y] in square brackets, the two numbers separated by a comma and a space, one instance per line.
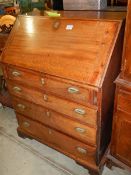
[45, 97]
[16, 73]
[80, 111]
[48, 114]
[21, 106]
[80, 130]
[73, 90]
[26, 124]
[42, 81]
[17, 89]
[81, 150]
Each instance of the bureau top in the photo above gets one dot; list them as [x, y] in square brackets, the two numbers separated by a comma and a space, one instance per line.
[75, 49]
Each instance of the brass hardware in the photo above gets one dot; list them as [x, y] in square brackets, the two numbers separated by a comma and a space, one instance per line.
[16, 73]
[73, 90]
[45, 97]
[56, 24]
[81, 150]
[50, 131]
[80, 111]
[21, 106]
[26, 124]
[95, 100]
[48, 114]
[42, 81]
[17, 89]
[80, 130]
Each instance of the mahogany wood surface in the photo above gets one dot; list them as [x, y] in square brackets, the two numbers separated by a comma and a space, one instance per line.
[124, 101]
[53, 85]
[60, 74]
[29, 109]
[120, 148]
[58, 140]
[57, 121]
[54, 52]
[121, 140]
[126, 68]
[58, 104]
[108, 93]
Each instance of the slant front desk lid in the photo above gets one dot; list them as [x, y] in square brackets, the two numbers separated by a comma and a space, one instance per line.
[75, 49]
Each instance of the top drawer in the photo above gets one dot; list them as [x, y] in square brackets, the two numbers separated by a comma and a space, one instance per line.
[124, 101]
[57, 86]
[26, 77]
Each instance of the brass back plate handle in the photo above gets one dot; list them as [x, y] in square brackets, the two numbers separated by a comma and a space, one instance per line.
[73, 90]
[80, 111]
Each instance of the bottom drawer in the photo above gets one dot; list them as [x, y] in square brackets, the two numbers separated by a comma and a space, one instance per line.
[69, 146]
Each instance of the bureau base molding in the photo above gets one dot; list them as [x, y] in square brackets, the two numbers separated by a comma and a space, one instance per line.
[93, 170]
[113, 161]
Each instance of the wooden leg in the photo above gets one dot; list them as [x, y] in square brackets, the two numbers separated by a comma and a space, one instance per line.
[99, 172]
[92, 172]
[110, 163]
[20, 134]
[23, 136]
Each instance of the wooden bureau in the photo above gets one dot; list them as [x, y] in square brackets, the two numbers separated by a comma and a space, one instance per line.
[60, 74]
[120, 150]
[121, 135]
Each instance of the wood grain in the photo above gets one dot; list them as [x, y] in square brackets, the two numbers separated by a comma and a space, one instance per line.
[57, 121]
[126, 69]
[57, 104]
[122, 140]
[64, 94]
[58, 140]
[58, 54]
[56, 86]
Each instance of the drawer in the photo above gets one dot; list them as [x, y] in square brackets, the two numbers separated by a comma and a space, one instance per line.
[63, 88]
[55, 120]
[124, 101]
[30, 78]
[74, 110]
[57, 140]
[71, 91]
